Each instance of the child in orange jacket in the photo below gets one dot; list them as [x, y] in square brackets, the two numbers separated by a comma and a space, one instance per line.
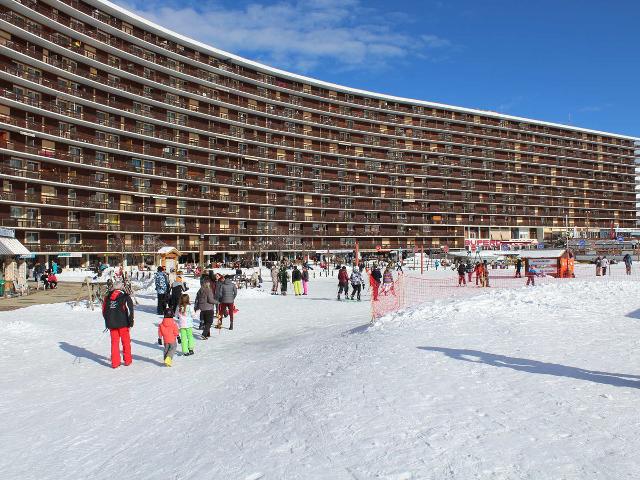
[168, 332]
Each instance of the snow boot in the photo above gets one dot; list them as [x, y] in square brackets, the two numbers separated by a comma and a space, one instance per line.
[190, 352]
[167, 361]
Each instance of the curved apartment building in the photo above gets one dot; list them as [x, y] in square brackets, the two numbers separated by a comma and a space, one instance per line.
[118, 135]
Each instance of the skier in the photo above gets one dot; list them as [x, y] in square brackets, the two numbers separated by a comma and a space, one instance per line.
[518, 268]
[461, 271]
[627, 263]
[478, 272]
[162, 287]
[343, 282]
[436, 264]
[374, 280]
[168, 333]
[469, 269]
[531, 276]
[283, 277]
[485, 274]
[227, 296]
[296, 279]
[117, 311]
[598, 266]
[274, 279]
[206, 303]
[184, 317]
[356, 283]
[305, 280]
[605, 266]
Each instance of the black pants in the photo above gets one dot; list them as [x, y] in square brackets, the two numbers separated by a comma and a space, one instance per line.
[343, 288]
[356, 291]
[162, 303]
[206, 318]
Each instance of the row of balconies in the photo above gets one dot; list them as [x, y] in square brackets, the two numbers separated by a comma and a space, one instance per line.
[192, 123]
[201, 144]
[119, 43]
[422, 192]
[169, 85]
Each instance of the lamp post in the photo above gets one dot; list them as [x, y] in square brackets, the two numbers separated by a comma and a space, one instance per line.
[201, 257]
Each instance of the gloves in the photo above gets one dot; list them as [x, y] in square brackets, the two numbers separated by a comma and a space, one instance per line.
[159, 341]
[179, 339]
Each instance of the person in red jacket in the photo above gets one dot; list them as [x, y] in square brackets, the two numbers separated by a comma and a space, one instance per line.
[168, 333]
[343, 282]
[117, 311]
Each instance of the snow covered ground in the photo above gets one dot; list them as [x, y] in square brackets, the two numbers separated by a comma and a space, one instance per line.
[538, 383]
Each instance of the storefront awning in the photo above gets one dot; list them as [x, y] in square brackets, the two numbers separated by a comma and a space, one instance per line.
[12, 246]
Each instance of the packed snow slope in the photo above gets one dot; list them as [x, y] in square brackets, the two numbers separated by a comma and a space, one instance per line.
[538, 383]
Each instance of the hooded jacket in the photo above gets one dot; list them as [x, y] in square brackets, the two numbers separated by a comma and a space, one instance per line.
[343, 276]
[205, 300]
[117, 310]
[356, 278]
[162, 283]
[184, 319]
[168, 330]
[228, 292]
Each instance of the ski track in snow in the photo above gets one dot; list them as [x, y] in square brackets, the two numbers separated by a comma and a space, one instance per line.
[539, 383]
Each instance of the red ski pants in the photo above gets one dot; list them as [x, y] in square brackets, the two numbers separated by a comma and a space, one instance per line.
[120, 335]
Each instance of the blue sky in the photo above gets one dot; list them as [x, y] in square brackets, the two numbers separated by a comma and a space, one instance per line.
[567, 61]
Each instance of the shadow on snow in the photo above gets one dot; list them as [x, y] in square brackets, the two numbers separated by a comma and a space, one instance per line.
[80, 352]
[535, 366]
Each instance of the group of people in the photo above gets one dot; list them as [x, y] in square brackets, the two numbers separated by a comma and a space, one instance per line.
[280, 278]
[215, 299]
[466, 270]
[603, 264]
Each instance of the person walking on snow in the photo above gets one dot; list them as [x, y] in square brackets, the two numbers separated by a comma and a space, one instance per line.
[274, 279]
[168, 333]
[518, 268]
[343, 282]
[227, 297]
[461, 271]
[357, 283]
[605, 266]
[177, 289]
[296, 279]
[598, 266]
[117, 311]
[283, 277]
[305, 280]
[162, 287]
[184, 317]
[627, 263]
[375, 279]
[206, 303]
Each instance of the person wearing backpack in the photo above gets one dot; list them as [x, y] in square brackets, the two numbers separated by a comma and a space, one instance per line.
[117, 311]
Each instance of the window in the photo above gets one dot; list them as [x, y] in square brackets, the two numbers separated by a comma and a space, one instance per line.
[32, 237]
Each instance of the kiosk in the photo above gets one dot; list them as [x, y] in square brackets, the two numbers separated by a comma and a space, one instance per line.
[168, 258]
[555, 263]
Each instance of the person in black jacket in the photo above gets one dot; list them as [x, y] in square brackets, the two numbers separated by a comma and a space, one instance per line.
[519, 268]
[462, 269]
[376, 276]
[117, 311]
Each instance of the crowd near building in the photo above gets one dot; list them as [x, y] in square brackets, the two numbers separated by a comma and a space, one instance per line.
[117, 135]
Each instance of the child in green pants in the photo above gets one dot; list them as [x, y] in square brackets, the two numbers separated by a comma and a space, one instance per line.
[184, 317]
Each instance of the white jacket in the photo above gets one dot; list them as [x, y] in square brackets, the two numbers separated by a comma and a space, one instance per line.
[185, 319]
[605, 262]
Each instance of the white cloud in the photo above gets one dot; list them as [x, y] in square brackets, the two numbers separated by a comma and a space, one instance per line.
[299, 34]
